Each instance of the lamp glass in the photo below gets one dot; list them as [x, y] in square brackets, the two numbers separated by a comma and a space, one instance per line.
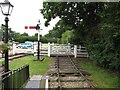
[6, 8]
[10, 9]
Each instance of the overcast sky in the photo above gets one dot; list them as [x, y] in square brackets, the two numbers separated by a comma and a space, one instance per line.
[26, 13]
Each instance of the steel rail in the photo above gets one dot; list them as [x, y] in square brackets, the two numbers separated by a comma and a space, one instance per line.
[90, 84]
[58, 73]
[70, 61]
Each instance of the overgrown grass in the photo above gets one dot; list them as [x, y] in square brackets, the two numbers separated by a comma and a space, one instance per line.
[35, 67]
[101, 77]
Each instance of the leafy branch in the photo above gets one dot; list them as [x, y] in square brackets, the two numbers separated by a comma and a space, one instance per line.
[4, 48]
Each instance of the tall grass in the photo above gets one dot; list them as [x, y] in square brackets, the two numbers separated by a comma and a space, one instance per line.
[101, 78]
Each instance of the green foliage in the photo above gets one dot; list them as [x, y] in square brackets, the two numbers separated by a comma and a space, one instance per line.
[55, 35]
[4, 47]
[22, 39]
[44, 40]
[1, 32]
[99, 74]
[24, 34]
[106, 51]
[66, 36]
[11, 33]
[96, 25]
[31, 38]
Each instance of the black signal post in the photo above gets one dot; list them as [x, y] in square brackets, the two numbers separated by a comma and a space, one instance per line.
[38, 53]
[37, 27]
[39, 58]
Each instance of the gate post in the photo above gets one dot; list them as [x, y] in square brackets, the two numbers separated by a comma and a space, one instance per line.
[13, 49]
[75, 51]
[49, 49]
[80, 47]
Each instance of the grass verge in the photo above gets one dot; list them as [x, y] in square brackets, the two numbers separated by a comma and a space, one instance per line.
[35, 67]
[101, 77]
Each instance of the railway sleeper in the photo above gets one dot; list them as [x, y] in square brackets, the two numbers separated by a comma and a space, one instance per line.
[73, 80]
[59, 88]
[73, 73]
[66, 67]
[70, 73]
[67, 80]
[52, 74]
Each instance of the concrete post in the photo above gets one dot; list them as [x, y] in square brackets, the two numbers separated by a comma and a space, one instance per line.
[49, 49]
[53, 43]
[87, 55]
[14, 48]
[69, 49]
[52, 46]
[80, 48]
[40, 47]
[46, 84]
[75, 51]
[35, 49]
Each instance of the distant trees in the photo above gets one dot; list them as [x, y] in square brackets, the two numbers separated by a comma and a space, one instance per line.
[15, 36]
[66, 36]
[55, 35]
[25, 37]
[1, 32]
[24, 34]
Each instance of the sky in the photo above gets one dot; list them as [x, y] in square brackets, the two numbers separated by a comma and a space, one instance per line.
[26, 13]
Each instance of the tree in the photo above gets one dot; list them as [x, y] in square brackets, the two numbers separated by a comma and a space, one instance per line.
[82, 17]
[66, 36]
[25, 34]
[96, 25]
[1, 32]
[56, 33]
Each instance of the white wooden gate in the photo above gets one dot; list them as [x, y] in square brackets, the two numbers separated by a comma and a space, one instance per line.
[49, 49]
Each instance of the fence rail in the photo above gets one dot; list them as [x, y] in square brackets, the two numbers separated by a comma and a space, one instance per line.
[14, 79]
[49, 49]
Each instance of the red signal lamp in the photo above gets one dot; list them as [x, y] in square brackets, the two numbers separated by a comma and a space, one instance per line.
[32, 27]
[26, 27]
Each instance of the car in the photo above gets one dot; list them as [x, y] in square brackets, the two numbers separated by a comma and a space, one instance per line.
[11, 43]
[24, 45]
[29, 42]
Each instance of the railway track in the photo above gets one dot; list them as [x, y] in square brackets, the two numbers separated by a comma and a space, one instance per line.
[65, 73]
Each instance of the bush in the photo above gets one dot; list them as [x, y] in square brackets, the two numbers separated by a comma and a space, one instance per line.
[4, 48]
